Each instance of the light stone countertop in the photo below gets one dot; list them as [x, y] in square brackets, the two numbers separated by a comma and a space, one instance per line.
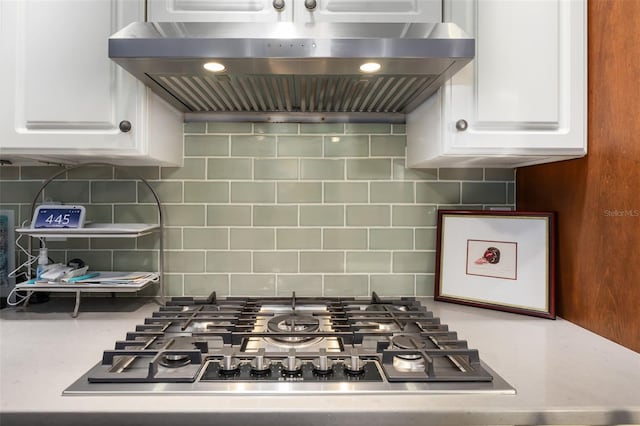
[563, 374]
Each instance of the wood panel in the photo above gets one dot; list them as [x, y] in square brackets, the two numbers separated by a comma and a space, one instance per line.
[598, 197]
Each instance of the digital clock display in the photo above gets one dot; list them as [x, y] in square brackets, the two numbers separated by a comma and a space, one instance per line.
[58, 218]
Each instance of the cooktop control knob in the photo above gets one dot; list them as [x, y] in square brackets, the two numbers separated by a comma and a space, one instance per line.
[291, 365]
[354, 365]
[228, 365]
[323, 365]
[260, 365]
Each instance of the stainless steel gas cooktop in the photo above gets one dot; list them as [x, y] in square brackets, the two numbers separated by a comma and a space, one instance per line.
[290, 345]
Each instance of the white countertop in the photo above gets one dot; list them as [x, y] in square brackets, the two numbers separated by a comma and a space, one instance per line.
[563, 374]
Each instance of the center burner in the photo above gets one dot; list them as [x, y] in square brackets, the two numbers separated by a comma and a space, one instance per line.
[293, 323]
[292, 345]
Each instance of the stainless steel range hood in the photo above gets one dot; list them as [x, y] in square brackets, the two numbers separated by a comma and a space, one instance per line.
[285, 72]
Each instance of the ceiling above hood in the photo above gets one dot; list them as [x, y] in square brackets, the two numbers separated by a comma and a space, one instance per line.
[286, 72]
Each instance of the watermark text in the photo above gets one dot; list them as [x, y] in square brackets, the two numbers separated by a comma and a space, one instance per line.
[622, 212]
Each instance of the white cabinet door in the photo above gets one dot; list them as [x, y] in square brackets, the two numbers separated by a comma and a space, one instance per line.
[303, 11]
[522, 100]
[368, 11]
[220, 10]
[63, 98]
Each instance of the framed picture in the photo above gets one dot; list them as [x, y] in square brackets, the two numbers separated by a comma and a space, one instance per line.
[500, 260]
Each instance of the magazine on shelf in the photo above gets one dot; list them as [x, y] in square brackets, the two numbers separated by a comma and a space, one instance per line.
[110, 278]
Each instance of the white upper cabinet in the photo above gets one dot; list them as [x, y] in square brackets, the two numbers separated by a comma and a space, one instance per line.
[521, 101]
[220, 10]
[368, 11]
[303, 11]
[65, 100]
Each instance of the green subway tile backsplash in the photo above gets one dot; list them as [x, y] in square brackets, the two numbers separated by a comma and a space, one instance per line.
[253, 192]
[398, 128]
[392, 192]
[194, 168]
[103, 214]
[388, 146]
[274, 261]
[275, 215]
[299, 192]
[184, 261]
[205, 238]
[184, 215]
[206, 192]
[298, 238]
[368, 215]
[206, 145]
[393, 285]
[67, 192]
[321, 128]
[346, 285]
[369, 169]
[9, 173]
[368, 261]
[113, 192]
[414, 216]
[253, 146]
[228, 261]
[400, 172]
[424, 284]
[173, 285]
[18, 192]
[129, 173]
[299, 146]
[303, 285]
[252, 238]
[275, 128]
[106, 260]
[229, 168]
[134, 213]
[226, 215]
[340, 238]
[168, 192]
[499, 174]
[204, 284]
[272, 208]
[195, 127]
[322, 261]
[227, 128]
[484, 193]
[129, 260]
[253, 285]
[460, 174]
[438, 192]
[98, 243]
[390, 239]
[275, 169]
[39, 172]
[346, 146]
[346, 192]
[367, 128]
[327, 215]
[319, 169]
[93, 173]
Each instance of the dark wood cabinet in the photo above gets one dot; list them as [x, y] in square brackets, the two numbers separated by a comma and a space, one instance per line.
[598, 197]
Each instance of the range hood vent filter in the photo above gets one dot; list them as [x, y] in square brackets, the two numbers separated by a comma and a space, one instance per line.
[269, 93]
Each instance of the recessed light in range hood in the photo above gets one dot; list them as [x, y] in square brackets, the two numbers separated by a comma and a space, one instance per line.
[284, 70]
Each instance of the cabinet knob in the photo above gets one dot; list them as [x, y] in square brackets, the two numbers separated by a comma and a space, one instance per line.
[310, 4]
[125, 126]
[278, 4]
[462, 125]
